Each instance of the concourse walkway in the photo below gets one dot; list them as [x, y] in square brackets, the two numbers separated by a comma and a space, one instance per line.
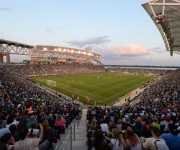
[130, 95]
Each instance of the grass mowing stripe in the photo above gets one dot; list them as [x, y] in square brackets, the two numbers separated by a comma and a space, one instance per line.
[122, 92]
[78, 92]
[103, 88]
[82, 94]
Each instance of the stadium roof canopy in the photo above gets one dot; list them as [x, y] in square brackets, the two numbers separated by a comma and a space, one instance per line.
[166, 16]
[2, 41]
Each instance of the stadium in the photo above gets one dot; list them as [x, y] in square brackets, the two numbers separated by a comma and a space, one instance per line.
[66, 98]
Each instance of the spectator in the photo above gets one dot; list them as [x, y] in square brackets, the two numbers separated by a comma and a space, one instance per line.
[8, 140]
[132, 140]
[51, 121]
[27, 143]
[104, 126]
[172, 138]
[150, 143]
[100, 141]
[33, 131]
[60, 124]
[12, 120]
[48, 132]
[32, 120]
[60, 121]
[3, 130]
[93, 124]
[22, 122]
[117, 142]
[3, 146]
[14, 132]
[119, 125]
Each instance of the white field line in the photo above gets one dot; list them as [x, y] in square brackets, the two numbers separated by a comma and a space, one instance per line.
[88, 90]
[99, 97]
[77, 93]
[119, 93]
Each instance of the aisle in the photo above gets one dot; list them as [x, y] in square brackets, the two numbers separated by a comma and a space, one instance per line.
[80, 135]
[80, 132]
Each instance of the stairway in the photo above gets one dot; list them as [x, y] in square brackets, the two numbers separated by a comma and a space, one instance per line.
[79, 141]
[80, 133]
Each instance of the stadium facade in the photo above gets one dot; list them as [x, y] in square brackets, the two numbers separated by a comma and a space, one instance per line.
[47, 53]
[64, 54]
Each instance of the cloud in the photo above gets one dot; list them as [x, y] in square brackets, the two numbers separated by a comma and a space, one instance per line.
[91, 41]
[127, 51]
[49, 30]
[158, 50]
[60, 28]
[4, 8]
[53, 30]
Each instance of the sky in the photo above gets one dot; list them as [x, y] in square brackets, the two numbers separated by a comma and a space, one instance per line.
[119, 30]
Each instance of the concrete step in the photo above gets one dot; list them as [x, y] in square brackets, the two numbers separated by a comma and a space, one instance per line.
[79, 143]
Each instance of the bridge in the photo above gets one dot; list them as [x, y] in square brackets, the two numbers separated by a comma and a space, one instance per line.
[10, 47]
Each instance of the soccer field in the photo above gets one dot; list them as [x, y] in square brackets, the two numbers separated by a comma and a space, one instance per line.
[101, 88]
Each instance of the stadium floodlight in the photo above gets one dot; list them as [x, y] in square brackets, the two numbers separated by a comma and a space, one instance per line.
[64, 50]
[59, 49]
[79, 52]
[44, 48]
[72, 51]
[160, 18]
[55, 49]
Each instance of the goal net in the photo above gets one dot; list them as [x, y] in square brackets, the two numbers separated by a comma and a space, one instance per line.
[51, 83]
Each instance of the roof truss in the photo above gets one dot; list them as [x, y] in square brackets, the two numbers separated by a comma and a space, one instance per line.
[166, 14]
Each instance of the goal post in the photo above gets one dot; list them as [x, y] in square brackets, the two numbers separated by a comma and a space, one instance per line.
[51, 83]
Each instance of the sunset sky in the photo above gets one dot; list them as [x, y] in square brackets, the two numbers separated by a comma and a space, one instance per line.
[119, 30]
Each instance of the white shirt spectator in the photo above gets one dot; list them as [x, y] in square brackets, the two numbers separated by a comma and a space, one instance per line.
[116, 145]
[35, 132]
[104, 127]
[14, 122]
[27, 144]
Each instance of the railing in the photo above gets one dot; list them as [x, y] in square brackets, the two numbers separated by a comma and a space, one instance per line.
[69, 135]
[55, 93]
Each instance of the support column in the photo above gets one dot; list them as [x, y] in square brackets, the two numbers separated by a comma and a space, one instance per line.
[8, 58]
[1, 59]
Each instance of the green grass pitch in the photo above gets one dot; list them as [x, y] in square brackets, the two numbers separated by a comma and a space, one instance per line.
[102, 88]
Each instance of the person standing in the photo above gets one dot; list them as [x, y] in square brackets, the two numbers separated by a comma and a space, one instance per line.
[172, 138]
[27, 143]
[151, 143]
[117, 142]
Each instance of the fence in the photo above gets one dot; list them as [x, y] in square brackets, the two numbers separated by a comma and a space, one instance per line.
[69, 136]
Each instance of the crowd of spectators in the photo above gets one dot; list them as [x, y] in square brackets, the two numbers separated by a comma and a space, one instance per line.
[31, 117]
[139, 71]
[27, 70]
[150, 124]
